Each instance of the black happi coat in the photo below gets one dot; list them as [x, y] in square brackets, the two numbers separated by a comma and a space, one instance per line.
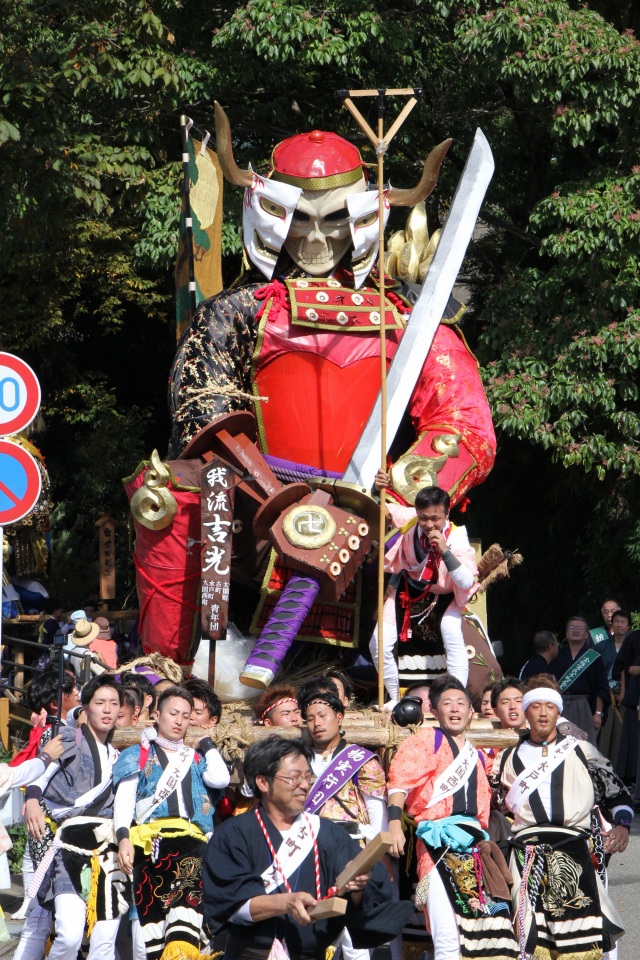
[232, 868]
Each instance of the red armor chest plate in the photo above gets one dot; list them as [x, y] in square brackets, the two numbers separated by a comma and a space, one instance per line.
[317, 366]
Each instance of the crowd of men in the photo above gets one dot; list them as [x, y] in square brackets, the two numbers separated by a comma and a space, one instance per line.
[153, 851]
[599, 675]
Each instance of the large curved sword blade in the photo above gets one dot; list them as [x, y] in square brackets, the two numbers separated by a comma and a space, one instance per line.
[427, 312]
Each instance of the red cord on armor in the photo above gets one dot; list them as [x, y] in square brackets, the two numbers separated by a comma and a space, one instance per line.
[397, 301]
[274, 294]
[162, 589]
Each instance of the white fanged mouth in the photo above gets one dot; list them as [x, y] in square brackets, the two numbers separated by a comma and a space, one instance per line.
[268, 252]
[365, 260]
[328, 257]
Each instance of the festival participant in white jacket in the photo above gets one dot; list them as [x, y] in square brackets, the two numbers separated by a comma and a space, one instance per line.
[551, 784]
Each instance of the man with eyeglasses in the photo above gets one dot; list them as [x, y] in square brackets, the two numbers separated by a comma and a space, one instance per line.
[265, 870]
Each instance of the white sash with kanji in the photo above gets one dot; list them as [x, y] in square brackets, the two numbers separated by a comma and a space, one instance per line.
[292, 852]
[539, 771]
[456, 774]
[170, 779]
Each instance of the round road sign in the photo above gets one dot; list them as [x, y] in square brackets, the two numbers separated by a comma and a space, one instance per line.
[19, 394]
[19, 482]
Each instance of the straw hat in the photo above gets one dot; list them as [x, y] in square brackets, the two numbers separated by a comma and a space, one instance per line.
[84, 632]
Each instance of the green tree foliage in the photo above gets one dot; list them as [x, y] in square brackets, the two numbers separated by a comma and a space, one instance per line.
[90, 96]
[563, 327]
[560, 340]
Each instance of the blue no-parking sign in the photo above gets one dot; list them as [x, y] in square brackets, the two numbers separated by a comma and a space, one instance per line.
[19, 474]
[19, 483]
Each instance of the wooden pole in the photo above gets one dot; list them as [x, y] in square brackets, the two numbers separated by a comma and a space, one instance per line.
[243, 734]
[382, 524]
[381, 143]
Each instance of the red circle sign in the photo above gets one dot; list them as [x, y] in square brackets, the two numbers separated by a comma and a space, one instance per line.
[19, 482]
[19, 394]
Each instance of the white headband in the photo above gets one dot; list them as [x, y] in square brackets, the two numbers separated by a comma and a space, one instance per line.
[542, 694]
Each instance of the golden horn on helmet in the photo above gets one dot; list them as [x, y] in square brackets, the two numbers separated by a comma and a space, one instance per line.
[231, 170]
[428, 180]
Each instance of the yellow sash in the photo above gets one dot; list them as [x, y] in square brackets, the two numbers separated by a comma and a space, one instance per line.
[143, 834]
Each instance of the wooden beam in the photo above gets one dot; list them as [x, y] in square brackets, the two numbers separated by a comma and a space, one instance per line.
[4, 723]
[331, 907]
[365, 860]
[391, 92]
[362, 863]
[357, 116]
[244, 732]
[400, 119]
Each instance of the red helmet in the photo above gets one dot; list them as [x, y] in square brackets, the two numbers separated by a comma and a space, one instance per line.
[316, 161]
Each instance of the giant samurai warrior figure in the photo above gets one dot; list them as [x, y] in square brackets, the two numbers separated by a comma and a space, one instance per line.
[276, 378]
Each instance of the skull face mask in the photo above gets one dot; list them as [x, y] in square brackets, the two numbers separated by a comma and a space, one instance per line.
[328, 170]
[320, 233]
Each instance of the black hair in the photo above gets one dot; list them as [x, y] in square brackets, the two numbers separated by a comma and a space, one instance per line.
[201, 690]
[69, 668]
[335, 674]
[333, 702]
[142, 684]
[440, 686]
[43, 689]
[174, 691]
[320, 689]
[312, 688]
[131, 698]
[264, 758]
[417, 685]
[621, 613]
[432, 497]
[505, 684]
[543, 640]
[102, 680]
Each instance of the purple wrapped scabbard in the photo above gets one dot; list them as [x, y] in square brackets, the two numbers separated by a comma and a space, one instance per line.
[280, 630]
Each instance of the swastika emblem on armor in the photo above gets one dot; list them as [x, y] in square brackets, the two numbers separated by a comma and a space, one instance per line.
[308, 526]
[310, 523]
